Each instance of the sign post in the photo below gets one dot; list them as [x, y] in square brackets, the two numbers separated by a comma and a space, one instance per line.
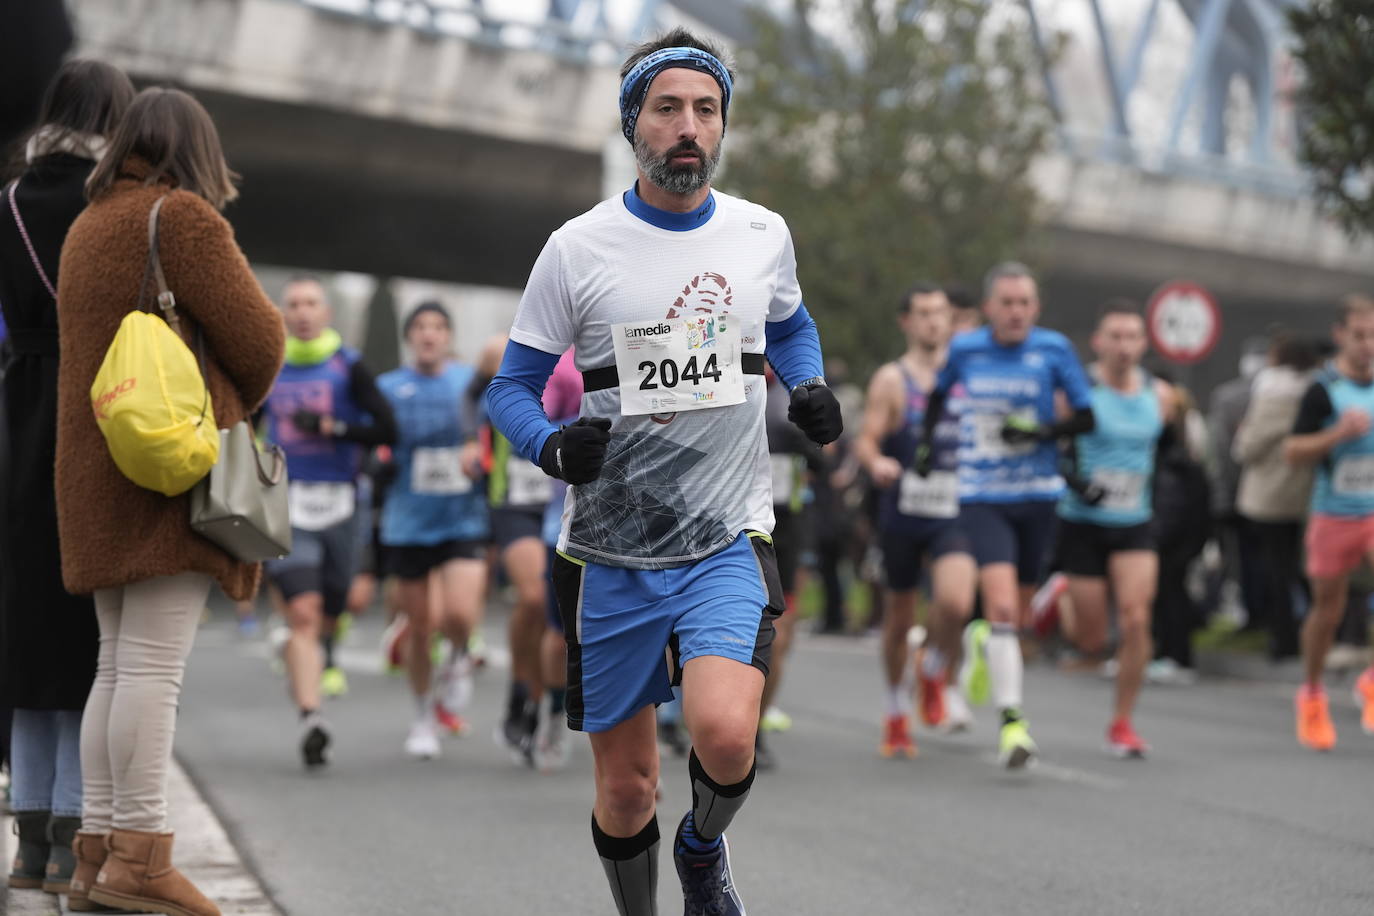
[1184, 322]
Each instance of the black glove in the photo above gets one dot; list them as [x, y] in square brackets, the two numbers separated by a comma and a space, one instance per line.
[307, 421]
[925, 460]
[1089, 492]
[816, 412]
[575, 453]
[1020, 431]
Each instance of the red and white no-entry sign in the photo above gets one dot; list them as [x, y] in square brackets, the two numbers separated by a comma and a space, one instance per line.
[1184, 322]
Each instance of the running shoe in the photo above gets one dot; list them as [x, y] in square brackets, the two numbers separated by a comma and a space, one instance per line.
[1364, 695]
[448, 720]
[707, 885]
[1168, 672]
[455, 682]
[1015, 749]
[1315, 730]
[477, 649]
[974, 679]
[958, 717]
[1122, 741]
[423, 742]
[249, 628]
[775, 720]
[675, 736]
[314, 741]
[1044, 605]
[517, 733]
[333, 683]
[931, 692]
[394, 639]
[553, 747]
[897, 739]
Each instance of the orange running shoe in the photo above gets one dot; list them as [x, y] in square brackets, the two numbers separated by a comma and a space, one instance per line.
[450, 722]
[897, 739]
[1122, 741]
[1364, 695]
[1315, 730]
[932, 697]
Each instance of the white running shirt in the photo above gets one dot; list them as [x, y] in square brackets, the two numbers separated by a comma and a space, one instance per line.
[675, 487]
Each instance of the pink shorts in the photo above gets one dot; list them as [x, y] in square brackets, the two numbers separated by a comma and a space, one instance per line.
[1336, 545]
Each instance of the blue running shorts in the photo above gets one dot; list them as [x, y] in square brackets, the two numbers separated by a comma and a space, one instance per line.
[620, 623]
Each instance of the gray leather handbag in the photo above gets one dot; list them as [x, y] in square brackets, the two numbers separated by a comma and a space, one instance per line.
[242, 504]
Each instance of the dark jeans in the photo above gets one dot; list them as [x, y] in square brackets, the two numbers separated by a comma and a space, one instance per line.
[1175, 612]
[830, 553]
[1278, 547]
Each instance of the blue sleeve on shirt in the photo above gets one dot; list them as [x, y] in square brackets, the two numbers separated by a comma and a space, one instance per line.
[514, 399]
[1070, 375]
[948, 375]
[794, 348]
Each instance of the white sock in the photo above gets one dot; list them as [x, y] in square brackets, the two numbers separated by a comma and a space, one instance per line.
[933, 663]
[899, 700]
[424, 702]
[1005, 666]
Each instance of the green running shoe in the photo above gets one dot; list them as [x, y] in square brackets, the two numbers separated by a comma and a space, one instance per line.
[1015, 748]
[775, 720]
[333, 683]
[974, 680]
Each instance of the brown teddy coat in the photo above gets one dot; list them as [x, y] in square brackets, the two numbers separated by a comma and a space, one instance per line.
[114, 532]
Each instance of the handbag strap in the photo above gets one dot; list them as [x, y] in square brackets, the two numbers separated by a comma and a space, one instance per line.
[168, 302]
[28, 242]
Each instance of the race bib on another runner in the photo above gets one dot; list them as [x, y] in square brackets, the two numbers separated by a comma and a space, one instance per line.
[317, 505]
[526, 484]
[987, 435]
[933, 496]
[1123, 491]
[678, 364]
[438, 472]
[1354, 476]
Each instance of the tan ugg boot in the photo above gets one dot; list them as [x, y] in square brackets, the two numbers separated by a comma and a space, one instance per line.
[138, 875]
[90, 852]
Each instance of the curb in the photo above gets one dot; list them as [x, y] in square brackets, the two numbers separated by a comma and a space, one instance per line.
[203, 852]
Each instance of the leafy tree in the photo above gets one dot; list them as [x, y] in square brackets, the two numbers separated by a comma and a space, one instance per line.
[896, 152]
[1335, 45]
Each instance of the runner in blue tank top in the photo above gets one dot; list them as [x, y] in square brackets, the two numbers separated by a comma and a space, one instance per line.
[1008, 476]
[1333, 431]
[434, 522]
[1106, 545]
[324, 411]
[918, 520]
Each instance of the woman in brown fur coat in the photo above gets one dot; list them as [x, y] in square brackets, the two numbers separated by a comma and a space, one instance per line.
[132, 547]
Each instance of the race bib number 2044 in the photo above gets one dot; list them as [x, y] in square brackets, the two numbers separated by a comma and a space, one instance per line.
[678, 364]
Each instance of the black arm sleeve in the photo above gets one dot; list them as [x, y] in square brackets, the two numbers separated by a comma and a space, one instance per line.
[1314, 411]
[1081, 422]
[935, 409]
[369, 398]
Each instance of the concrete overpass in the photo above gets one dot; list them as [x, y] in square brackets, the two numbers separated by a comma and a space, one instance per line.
[373, 146]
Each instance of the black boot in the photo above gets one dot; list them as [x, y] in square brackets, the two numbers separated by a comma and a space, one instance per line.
[31, 860]
[61, 860]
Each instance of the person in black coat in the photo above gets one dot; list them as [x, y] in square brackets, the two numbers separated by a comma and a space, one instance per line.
[48, 638]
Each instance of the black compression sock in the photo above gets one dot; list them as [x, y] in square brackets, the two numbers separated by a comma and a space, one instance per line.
[631, 865]
[558, 700]
[328, 643]
[714, 806]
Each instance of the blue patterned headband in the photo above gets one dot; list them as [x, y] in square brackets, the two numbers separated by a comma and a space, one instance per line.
[635, 86]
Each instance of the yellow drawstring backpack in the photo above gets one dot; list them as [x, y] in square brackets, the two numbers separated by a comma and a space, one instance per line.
[150, 398]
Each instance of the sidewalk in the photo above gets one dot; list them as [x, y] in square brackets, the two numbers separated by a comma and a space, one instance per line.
[203, 852]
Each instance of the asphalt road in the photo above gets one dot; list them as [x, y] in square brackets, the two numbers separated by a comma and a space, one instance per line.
[1228, 816]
